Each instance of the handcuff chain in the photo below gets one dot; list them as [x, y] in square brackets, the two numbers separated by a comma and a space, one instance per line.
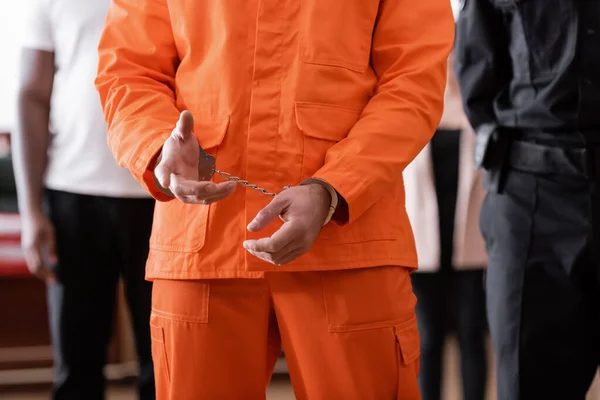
[244, 183]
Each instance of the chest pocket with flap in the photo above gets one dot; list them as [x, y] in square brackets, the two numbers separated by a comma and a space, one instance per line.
[338, 32]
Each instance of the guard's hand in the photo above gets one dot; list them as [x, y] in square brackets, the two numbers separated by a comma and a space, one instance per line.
[303, 210]
[37, 237]
[178, 167]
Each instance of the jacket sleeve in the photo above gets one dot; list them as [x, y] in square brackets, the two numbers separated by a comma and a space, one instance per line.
[136, 83]
[411, 43]
[482, 61]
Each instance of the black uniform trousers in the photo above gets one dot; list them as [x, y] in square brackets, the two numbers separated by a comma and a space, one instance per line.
[542, 285]
[99, 240]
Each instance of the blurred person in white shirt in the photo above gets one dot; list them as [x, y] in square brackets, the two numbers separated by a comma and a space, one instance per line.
[85, 221]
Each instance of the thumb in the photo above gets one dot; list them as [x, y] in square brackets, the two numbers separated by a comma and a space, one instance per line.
[162, 172]
[185, 125]
[267, 215]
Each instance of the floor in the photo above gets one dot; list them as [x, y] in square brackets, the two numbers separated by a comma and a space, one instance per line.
[281, 389]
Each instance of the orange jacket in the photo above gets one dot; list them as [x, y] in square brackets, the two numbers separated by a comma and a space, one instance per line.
[348, 91]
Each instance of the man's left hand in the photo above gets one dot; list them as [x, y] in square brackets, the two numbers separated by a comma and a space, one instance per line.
[303, 210]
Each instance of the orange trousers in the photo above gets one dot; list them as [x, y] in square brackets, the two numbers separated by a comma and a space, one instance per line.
[348, 334]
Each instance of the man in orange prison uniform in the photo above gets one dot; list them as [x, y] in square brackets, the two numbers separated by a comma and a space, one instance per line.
[330, 97]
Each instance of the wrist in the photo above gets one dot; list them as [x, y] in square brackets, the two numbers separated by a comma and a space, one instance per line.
[333, 196]
[31, 213]
[322, 191]
[31, 207]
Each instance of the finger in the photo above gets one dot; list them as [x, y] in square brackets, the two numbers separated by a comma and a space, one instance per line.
[185, 187]
[38, 267]
[212, 200]
[201, 189]
[283, 254]
[194, 200]
[47, 275]
[185, 199]
[185, 125]
[204, 202]
[263, 256]
[287, 234]
[33, 261]
[290, 257]
[188, 199]
[222, 196]
[34, 257]
[268, 214]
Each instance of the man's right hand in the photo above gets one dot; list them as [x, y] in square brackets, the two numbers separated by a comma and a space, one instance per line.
[178, 167]
[37, 236]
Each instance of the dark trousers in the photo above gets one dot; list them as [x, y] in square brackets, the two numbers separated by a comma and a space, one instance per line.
[459, 294]
[99, 240]
[450, 293]
[542, 285]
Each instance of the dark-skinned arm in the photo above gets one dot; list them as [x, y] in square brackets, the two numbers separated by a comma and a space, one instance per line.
[31, 136]
[29, 142]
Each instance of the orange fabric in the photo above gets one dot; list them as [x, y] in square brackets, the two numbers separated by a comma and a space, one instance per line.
[348, 91]
[346, 334]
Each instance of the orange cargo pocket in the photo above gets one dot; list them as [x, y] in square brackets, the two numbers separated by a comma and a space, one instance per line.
[367, 298]
[159, 354]
[408, 352]
[179, 227]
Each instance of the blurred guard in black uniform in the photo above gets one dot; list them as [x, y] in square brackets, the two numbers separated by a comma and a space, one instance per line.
[529, 72]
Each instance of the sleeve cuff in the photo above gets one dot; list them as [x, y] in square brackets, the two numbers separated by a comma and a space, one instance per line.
[353, 193]
[142, 169]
